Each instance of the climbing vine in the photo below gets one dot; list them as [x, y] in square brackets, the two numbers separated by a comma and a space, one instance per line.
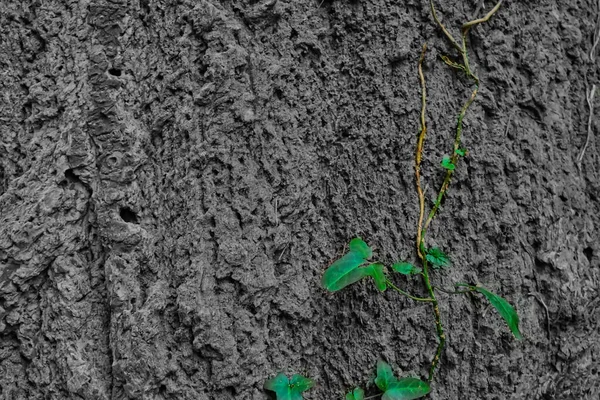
[357, 263]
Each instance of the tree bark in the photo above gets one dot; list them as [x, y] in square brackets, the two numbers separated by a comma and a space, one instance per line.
[176, 175]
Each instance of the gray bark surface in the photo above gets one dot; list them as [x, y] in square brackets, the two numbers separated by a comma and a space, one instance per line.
[176, 175]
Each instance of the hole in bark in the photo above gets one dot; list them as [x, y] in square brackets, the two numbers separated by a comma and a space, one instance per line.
[114, 71]
[128, 215]
[70, 175]
[589, 253]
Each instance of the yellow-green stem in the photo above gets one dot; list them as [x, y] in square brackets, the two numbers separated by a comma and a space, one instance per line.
[422, 229]
[397, 289]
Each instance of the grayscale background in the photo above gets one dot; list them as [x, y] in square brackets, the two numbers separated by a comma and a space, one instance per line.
[176, 175]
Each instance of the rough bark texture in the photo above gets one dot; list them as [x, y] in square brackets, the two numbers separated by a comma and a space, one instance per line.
[176, 175]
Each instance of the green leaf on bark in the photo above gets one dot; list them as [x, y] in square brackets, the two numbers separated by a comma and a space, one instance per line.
[447, 163]
[385, 376]
[406, 268]
[461, 152]
[357, 245]
[407, 389]
[343, 272]
[437, 258]
[378, 276]
[505, 309]
[356, 394]
[289, 389]
[300, 383]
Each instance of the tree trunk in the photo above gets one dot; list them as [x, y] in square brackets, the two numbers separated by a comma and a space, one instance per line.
[176, 175]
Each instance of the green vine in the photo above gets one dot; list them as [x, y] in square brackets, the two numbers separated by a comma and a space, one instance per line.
[356, 264]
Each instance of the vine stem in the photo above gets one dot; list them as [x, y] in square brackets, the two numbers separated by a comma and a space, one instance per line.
[419, 152]
[397, 289]
[454, 291]
[420, 231]
[422, 228]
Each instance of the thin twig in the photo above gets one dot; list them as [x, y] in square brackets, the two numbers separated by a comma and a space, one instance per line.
[471, 24]
[397, 289]
[590, 101]
[454, 291]
[283, 251]
[531, 294]
[443, 28]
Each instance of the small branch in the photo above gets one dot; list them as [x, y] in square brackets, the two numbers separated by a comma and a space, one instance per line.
[590, 101]
[471, 24]
[448, 35]
[531, 294]
[397, 289]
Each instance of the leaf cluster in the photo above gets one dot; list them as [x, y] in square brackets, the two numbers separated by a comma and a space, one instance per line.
[354, 265]
[289, 388]
[392, 387]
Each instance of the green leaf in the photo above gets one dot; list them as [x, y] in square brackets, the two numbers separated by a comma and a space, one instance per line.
[407, 389]
[343, 272]
[505, 309]
[406, 268]
[277, 384]
[437, 258]
[289, 389]
[378, 276]
[447, 163]
[300, 383]
[385, 376]
[357, 245]
[356, 394]
[461, 152]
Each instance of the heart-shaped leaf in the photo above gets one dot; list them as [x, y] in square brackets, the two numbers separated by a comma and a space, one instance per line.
[385, 376]
[343, 272]
[406, 268]
[357, 245]
[356, 394]
[447, 163]
[437, 258]
[504, 308]
[289, 389]
[406, 389]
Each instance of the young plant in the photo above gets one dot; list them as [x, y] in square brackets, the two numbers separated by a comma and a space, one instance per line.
[357, 263]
